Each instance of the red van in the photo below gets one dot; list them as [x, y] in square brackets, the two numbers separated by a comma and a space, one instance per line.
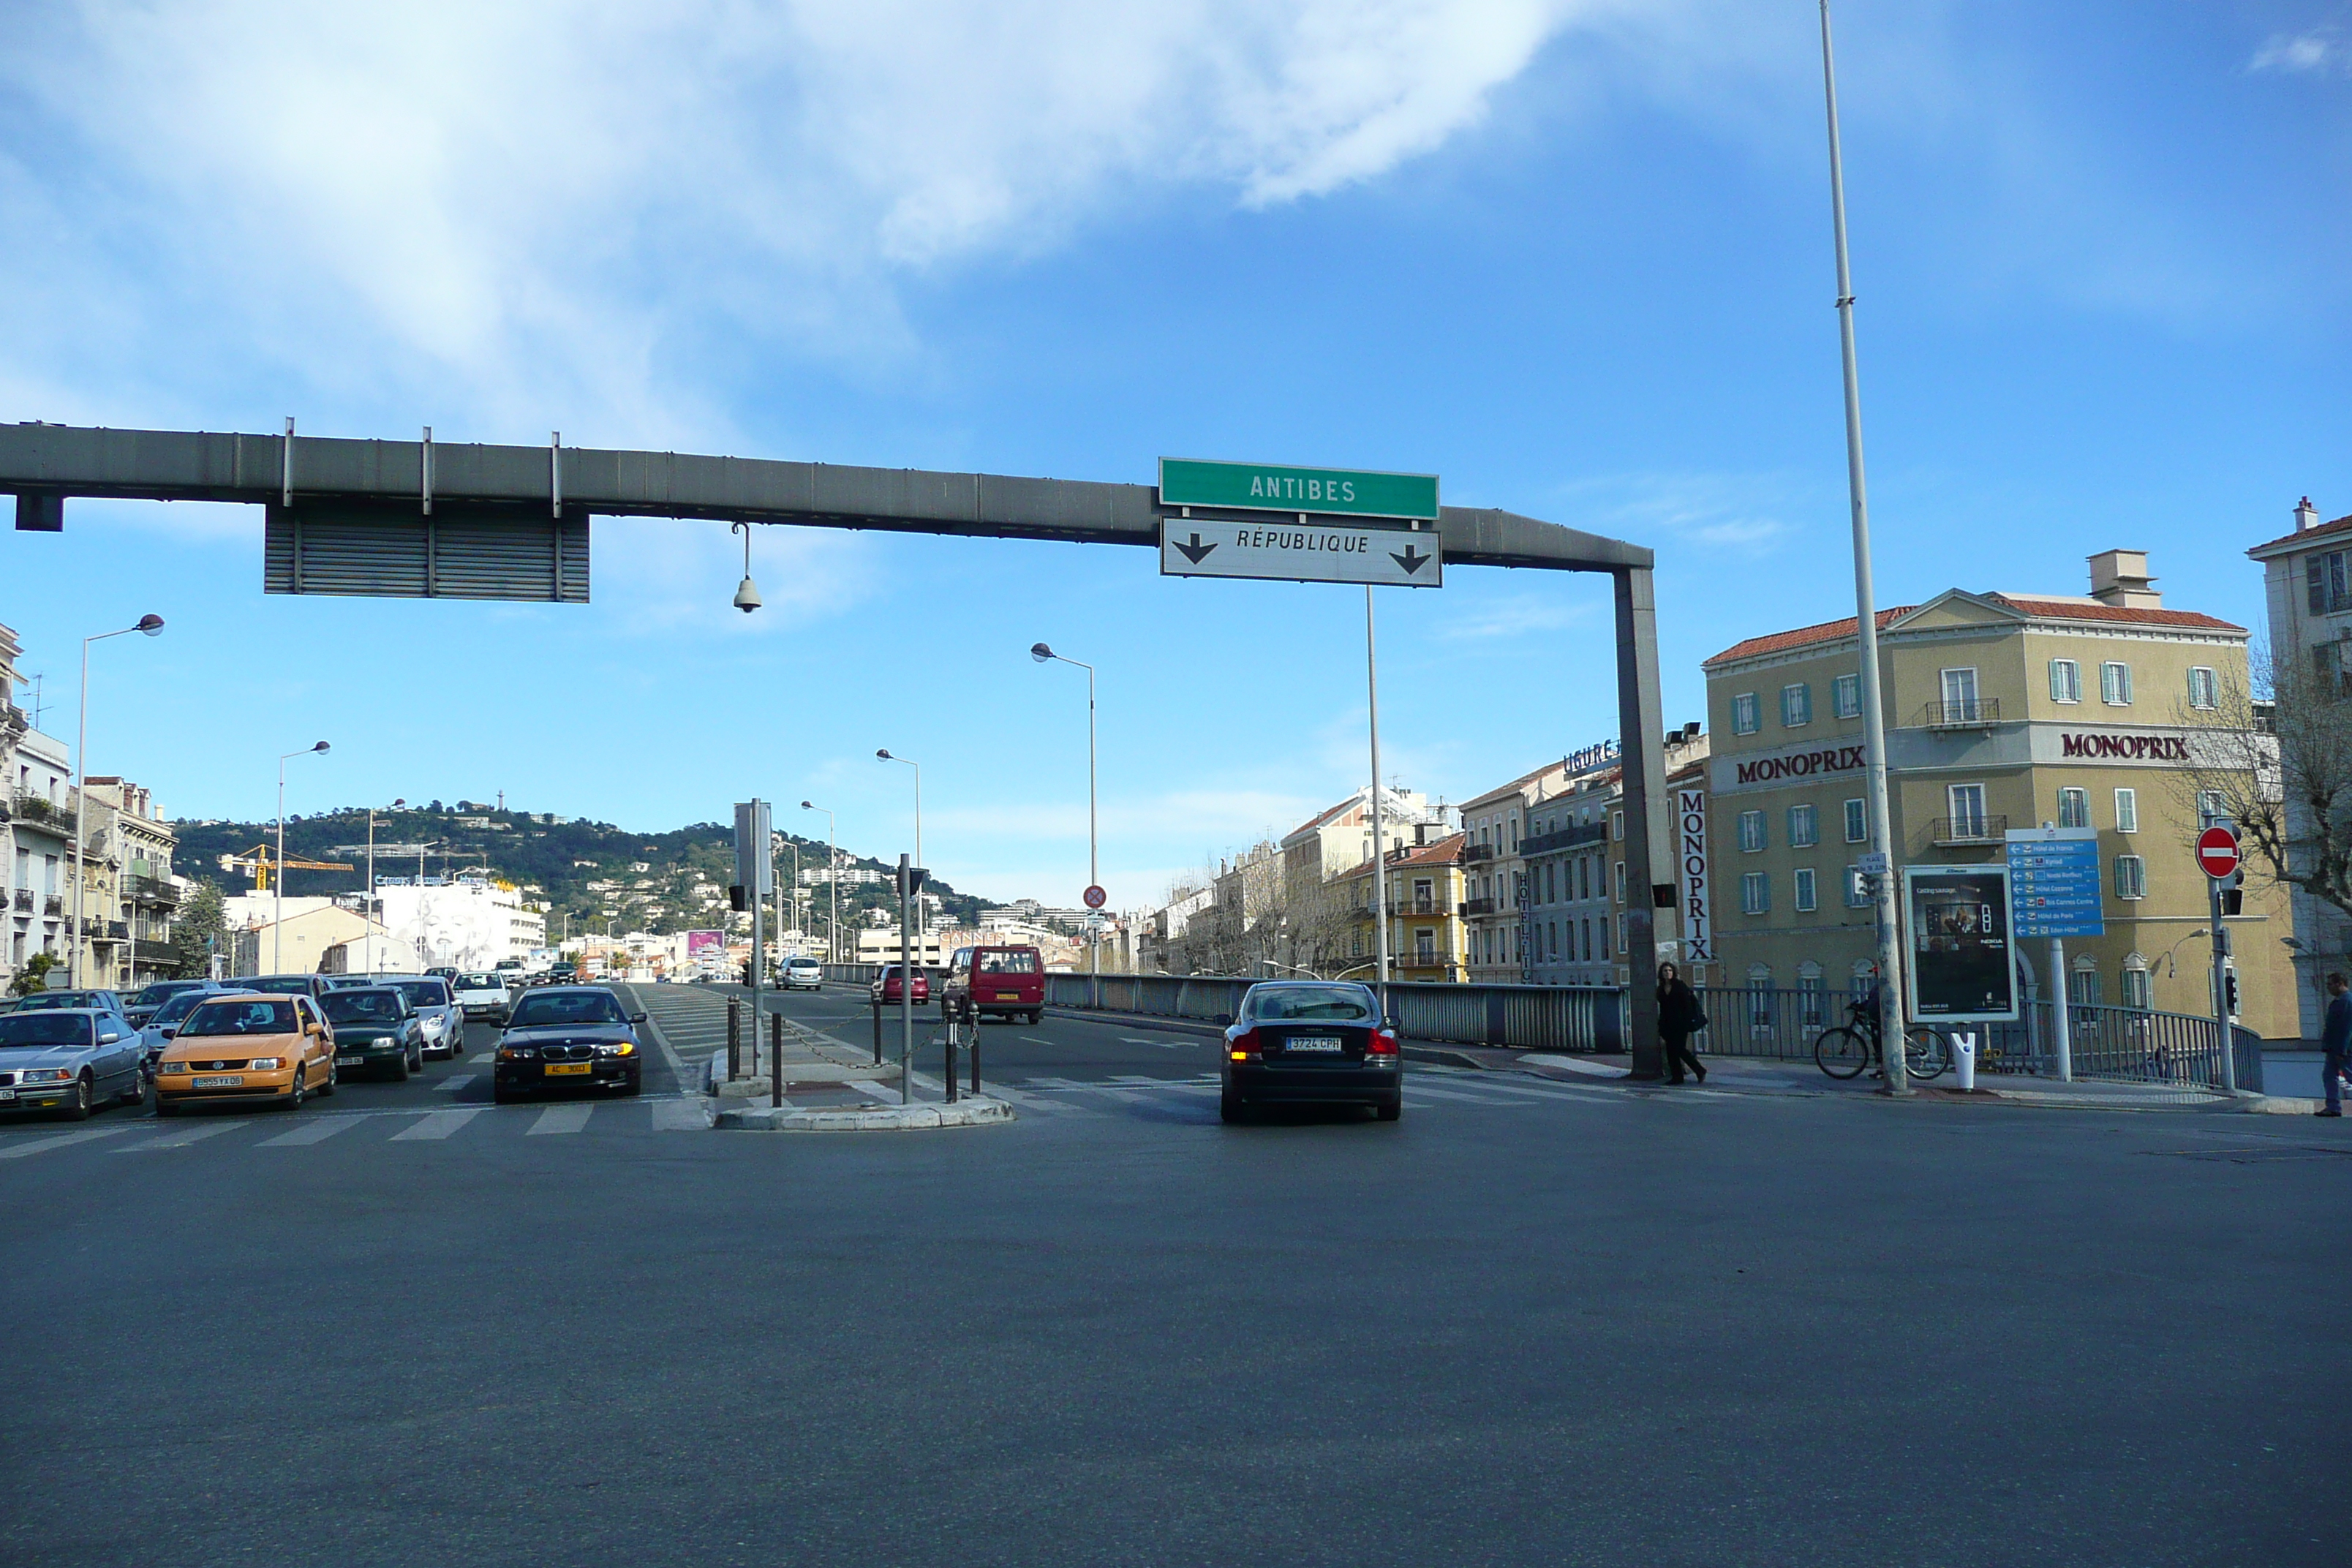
[1009, 982]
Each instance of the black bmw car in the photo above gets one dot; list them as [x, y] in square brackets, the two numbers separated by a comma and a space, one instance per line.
[568, 1036]
[1311, 1042]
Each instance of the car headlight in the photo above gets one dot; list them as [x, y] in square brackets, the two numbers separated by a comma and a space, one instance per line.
[432, 1026]
[46, 1075]
[267, 1064]
[170, 1067]
[622, 1050]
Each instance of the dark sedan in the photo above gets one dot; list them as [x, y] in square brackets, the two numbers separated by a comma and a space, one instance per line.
[568, 1036]
[375, 1031]
[1311, 1042]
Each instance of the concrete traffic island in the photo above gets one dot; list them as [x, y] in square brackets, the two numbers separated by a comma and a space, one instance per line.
[920, 1117]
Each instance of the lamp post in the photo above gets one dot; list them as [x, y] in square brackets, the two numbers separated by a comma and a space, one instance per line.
[278, 887]
[886, 757]
[832, 882]
[367, 904]
[1045, 654]
[150, 626]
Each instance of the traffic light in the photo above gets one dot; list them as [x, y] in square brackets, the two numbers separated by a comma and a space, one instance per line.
[2233, 899]
[735, 897]
[2229, 992]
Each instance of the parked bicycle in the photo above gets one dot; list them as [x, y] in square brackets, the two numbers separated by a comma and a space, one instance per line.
[1844, 1051]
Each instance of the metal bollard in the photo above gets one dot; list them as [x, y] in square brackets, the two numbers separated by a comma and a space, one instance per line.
[1964, 1061]
[974, 1015]
[776, 1059]
[949, 1062]
[734, 1039]
[878, 1034]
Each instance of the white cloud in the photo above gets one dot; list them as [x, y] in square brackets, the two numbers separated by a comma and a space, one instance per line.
[1743, 513]
[527, 207]
[1512, 615]
[2320, 49]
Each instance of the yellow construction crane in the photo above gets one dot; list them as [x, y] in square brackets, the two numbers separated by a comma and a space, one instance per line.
[257, 860]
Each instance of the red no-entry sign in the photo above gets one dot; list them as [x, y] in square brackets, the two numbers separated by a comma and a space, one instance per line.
[2217, 852]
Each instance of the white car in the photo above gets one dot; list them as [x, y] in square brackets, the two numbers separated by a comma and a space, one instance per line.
[483, 996]
[802, 974]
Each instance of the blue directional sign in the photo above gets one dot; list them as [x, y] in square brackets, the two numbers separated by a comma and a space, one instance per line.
[2054, 875]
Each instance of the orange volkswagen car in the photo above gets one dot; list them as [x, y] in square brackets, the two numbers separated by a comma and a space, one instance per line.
[249, 1049]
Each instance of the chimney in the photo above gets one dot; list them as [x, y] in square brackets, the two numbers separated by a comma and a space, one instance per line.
[2306, 516]
[2119, 578]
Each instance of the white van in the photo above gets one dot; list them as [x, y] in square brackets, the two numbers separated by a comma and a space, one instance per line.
[802, 974]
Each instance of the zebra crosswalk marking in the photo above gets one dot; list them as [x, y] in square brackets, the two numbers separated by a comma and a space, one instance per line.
[436, 1124]
[451, 1085]
[60, 1140]
[185, 1136]
[561, 1118]
[679, 1116]
[316, 1132]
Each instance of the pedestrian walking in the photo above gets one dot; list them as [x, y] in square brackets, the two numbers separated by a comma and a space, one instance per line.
[1679, 1018]
[2335, 1045]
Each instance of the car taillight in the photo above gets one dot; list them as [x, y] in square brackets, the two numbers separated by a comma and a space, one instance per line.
[1245, 1047]
[1384, 1044]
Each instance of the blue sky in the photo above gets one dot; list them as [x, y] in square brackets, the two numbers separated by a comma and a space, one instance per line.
[1571, 255]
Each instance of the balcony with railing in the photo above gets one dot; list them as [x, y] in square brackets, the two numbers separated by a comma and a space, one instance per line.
[23, 900]
[1965, 713]
[26, 806]
[53, 903]
[1473, 907]
[148, 953]
[1474, 853]
[1564, 838]
[1968, 832]
[140, 887]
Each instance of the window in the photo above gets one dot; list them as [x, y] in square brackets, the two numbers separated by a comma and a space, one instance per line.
[1967, 803]
[2204, 692]
[1746, 714]
[1960, 696]
[1845, 696]
[2065, 680]
[1759, 996]
[2135, 990]
[1804, 826]
[1515, 835]
[1806, 904]
[1755, 894]
[2127, 811]
[2115, 684]
[1588, 939]
[1796, 706]
[2327, 582]
[2131, 877]
[1751, 831]
[1808, 996]
[1620, 881]
[2082, 987]
[1555, 941]
[1857, 822]
[1617, 824]
[1584, 877]
[2074, 808]
[1857, 891]
[2330, 668]
[2212, 806]
[1424, 946]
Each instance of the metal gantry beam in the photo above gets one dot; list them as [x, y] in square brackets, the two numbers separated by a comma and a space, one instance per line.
[434, 519]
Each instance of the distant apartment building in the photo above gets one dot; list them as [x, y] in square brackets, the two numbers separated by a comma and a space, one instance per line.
[2307, 592]
[2003, 711]
[1423, 902]
[1321, 922]
[1571, 911]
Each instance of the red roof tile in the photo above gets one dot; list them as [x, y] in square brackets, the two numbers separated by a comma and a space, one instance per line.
[1444, 852]
[2341, 525]
[1804, 636]
[2044, 609]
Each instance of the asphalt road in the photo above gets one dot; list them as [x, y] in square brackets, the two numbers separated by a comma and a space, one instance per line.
[1528, 1323]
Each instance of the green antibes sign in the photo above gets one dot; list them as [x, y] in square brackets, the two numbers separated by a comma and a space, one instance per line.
[1278, 487]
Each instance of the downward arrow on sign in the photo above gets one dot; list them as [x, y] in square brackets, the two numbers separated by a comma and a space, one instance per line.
[1412, 560]
[1197, 552]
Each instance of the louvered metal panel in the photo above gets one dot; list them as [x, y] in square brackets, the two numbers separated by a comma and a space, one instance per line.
[459, 553]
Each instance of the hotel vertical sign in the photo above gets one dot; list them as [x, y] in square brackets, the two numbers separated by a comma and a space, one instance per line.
[1690, 834]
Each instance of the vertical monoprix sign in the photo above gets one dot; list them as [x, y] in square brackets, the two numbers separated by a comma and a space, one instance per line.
[1690, 836]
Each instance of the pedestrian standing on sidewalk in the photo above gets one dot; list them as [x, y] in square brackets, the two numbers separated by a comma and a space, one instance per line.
[2335, 1044]
[1679, 1018]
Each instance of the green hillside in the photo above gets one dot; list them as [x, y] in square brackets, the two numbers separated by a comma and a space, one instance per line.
[556, 860]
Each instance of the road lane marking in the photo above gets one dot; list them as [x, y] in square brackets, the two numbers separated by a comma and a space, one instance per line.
[561, 1118]
[1028, 1101]
[436, 1124]
[60, 1140]
[316, 1132]
[449, 1085]
[483, 1060]
[1039, 1040]
[185, 1136]
[1067, 1086]
[680, 1116]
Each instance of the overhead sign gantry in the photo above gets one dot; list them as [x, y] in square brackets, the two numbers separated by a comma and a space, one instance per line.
[438, 519]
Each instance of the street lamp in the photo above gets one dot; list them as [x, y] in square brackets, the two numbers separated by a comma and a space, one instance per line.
[833, 880]
[1045, 654]
[278, 887]
[367, 904]
[151, 625]
[886, 757]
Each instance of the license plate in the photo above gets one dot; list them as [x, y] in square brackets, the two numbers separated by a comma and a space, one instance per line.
[351, 1061]
[231, 1081]
[1008, 996]
[555, 1069]
[1328, 1044]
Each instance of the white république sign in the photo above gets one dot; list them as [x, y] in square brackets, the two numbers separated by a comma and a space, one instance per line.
[1324, 550]
[1690, 833]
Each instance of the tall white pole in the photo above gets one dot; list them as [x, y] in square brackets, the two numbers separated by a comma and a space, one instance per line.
[1094, 864]
[278, 882]
[1380, 849]
[1866, 600]
[81, 791]
[367, 899]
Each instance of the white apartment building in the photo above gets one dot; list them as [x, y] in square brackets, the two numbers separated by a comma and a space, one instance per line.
[464, 923]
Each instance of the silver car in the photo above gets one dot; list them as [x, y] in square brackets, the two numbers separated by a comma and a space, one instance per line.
[67, 1061]
[164, 1022]
[438, 1014]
